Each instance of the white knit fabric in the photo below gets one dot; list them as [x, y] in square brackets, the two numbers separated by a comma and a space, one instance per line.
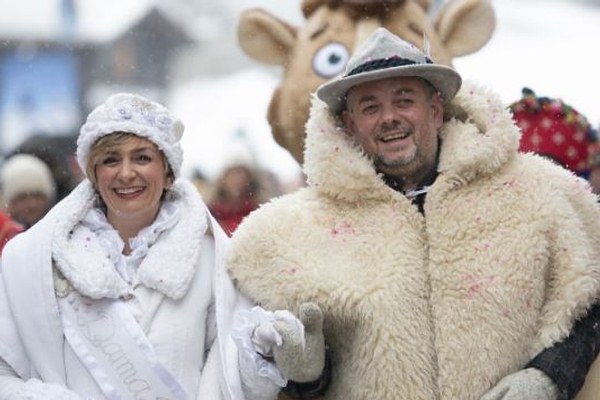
[26, 174]
[126, 112]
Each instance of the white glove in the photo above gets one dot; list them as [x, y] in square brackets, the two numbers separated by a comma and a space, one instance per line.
[255, 337]
[526, 384]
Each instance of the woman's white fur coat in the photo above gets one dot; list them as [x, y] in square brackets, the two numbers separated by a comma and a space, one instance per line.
[186, 265]
[433, 306]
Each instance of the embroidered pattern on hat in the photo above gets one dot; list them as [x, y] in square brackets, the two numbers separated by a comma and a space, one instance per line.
[382, 63]
[140, 109]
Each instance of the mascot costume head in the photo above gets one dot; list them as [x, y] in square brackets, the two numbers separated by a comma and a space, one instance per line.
[318, 51]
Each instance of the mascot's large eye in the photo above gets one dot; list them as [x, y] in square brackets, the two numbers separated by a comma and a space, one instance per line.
[330, 60]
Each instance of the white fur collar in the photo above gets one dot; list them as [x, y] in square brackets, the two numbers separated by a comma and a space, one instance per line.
[168, 266]
[478, 137]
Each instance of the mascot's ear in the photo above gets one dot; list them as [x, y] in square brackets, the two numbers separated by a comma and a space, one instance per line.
[265, 37]
[465, 26]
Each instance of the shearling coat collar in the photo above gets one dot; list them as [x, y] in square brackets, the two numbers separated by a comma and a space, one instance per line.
[168, 266]
[478, 133]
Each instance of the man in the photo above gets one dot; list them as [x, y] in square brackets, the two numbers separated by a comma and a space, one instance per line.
[446, 264]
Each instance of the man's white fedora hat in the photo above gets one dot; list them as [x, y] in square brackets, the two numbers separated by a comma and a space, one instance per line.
[385, 55]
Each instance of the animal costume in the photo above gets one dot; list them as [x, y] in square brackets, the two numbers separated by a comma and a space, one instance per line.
[434, 305]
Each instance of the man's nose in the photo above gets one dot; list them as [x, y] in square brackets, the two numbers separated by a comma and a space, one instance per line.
[388, 114]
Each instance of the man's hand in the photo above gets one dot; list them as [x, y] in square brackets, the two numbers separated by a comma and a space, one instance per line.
[526, 384]
[301, 355]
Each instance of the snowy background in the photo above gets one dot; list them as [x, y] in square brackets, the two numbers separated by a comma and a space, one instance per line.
[542, 44]
[222, 95]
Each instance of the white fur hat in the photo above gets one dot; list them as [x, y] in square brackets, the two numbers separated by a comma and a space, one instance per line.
[125, 112]
[25, 173]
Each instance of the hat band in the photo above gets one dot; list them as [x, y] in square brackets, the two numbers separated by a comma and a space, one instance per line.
[383, 63]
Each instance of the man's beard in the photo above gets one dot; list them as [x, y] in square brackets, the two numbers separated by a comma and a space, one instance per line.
[380, 160]
[397, 165]
[383, 163]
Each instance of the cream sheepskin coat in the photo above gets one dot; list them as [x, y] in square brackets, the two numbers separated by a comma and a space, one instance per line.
[185, 265]
[433, 306]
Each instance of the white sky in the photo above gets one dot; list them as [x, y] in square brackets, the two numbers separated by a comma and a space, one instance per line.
[548, 46]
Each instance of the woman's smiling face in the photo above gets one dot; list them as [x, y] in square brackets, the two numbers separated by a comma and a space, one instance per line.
[131, 178]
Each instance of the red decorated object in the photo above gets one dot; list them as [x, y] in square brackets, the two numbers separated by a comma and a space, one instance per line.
[553, 129]
[8, 229]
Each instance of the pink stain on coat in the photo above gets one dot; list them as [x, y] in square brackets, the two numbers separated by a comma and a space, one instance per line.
[342, 228]
[482, 247]
[476, 286]
[291, 270]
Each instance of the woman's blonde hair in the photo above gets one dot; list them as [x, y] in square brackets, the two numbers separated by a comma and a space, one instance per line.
[112, 142]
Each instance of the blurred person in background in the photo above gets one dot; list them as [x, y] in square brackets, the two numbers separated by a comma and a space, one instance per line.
[121, 292]
[241, 185]
[236, 194]
[58, 152]
[28, 188]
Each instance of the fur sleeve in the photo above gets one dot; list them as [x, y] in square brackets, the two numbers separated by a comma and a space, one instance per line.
[573, 277]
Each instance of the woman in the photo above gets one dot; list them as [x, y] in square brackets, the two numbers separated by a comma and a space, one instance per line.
[120, 291]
